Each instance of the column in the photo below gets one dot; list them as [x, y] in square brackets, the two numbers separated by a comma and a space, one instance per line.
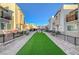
[78, 22]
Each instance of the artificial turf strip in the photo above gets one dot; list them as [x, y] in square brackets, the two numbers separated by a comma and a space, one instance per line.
[40, 44]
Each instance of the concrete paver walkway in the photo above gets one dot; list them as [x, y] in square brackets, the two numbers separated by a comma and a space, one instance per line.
[13, 47]
[67, 47]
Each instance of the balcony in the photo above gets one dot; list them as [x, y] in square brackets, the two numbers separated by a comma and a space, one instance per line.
[5, 13]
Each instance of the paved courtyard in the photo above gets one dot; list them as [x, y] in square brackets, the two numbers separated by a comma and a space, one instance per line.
[14, 46]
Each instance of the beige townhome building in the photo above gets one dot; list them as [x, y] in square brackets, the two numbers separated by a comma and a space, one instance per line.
[60, 17]
[17, 22]
[11, 21]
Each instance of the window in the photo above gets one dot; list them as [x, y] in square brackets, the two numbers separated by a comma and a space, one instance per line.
[8, 26]
[72, 27]
[69, 28]
[2, 26]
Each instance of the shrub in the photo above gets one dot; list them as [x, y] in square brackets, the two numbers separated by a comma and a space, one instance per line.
[58, 33]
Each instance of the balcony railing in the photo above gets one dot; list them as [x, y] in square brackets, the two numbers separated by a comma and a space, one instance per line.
[6, 15]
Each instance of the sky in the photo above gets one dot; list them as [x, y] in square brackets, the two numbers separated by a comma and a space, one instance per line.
[39, 13]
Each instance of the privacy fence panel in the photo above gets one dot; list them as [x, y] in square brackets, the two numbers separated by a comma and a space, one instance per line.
[9, 36]
[71, 39]
[77, 41]
[1, 38]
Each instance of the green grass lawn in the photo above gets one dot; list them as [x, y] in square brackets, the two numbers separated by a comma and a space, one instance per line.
[40, 44]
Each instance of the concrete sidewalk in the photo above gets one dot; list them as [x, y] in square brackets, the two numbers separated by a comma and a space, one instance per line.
[67, 47]
[13, 47]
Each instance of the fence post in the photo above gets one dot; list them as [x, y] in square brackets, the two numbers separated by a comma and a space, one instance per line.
[67, 37]
[64, 37]
[75, 40]
[13, 36]
[3, 38]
